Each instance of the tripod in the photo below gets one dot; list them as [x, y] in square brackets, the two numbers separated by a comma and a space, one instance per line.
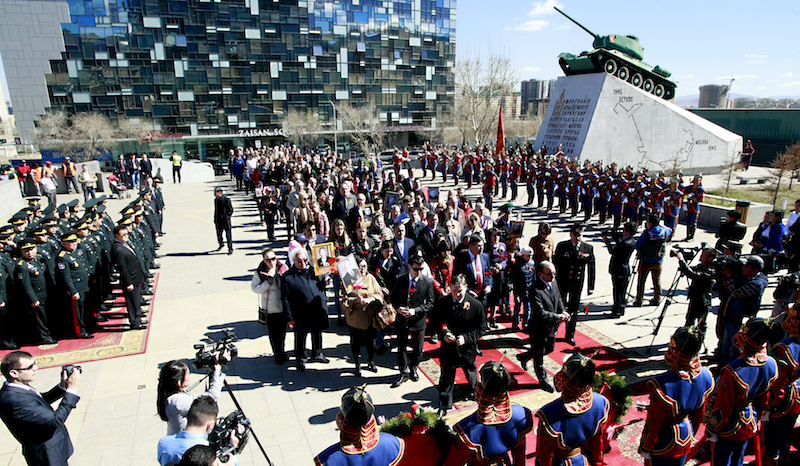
[668, 299]
[634, 271]
[239, 407]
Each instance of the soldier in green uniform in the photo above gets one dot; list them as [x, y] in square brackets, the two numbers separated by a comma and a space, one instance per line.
[6, 272]
[158, 197]
[31, 286]
[91, 256]
[19, 223]
[74, 210]
[73, 282]
[62, 216]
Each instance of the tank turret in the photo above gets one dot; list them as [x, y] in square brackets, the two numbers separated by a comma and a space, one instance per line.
[620, 56]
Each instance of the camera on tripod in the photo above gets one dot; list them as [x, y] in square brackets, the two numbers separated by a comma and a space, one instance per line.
[235, 424]
[688, 253]
[213, 354]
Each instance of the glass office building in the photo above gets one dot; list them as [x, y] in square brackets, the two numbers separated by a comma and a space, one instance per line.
[216, 73]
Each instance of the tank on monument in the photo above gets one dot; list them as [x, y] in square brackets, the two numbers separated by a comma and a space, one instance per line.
[620, 56]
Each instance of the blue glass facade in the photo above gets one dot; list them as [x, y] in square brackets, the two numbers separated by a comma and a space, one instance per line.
[218, 66]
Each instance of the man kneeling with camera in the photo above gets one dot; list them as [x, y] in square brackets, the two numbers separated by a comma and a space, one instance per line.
[201, 420]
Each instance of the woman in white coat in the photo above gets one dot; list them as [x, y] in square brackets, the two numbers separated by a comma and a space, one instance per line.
[266, 284]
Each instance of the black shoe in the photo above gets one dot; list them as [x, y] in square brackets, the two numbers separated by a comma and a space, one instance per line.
[357, 372]
[48, 341]
[150, 275]
[655, 302]
[340, 321]
[156, 266]
[434, 339]
[139, 327]
[544, 385]
[162, 233]
[156, 256]
[147, 293]
[85, 336]
[319, 358]
[219, 248]
[101, 318]
[414, 375]
[570, 341]
[400, 380]
[382, 347]
[230, 251]
[145, 302]
[523, 361]
[10, 345]
[637, 304]
[372, 367]
[479, 352]
[301, 366]
[280, 360]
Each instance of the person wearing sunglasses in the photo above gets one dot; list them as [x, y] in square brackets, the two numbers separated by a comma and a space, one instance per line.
[28, 414]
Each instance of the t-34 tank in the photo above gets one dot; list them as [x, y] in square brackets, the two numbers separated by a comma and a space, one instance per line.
[622, 57]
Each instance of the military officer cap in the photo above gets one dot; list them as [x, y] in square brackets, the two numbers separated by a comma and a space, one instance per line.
[40, 231]
[33, 201]
[495, 378]
[70, 235]
[48, 210]
[90, 203]
[506, 207]
[157, 179]
[139, 212]
[102, 199]
[579, 370]
[27, 243]
[100, 209]
[82, 224]
[687, 340]
[576, 228]
[127, 211]
[357, 407]
[18, 219]
[61, 209]
[72, 203]
[26, 211]
[48, 221]
[6, 230]
[144, 191]
[125, 220]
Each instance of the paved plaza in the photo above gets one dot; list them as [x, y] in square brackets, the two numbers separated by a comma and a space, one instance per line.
[201, 292]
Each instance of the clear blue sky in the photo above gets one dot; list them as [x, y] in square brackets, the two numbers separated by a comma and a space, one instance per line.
[700, 41]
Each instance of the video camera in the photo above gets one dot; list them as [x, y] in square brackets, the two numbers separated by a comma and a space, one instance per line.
[788, 285]
[220, 438]
[688, 253]
[731, 263]
[213, 354]
[613, 233]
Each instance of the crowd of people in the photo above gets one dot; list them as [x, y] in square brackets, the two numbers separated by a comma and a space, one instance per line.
[58, 265]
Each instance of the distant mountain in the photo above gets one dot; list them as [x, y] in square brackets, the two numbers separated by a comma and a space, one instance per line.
[690, 101]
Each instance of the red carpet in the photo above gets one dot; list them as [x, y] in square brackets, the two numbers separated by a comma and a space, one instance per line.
[112, 341]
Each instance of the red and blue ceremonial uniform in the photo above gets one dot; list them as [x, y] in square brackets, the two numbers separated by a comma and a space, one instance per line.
[784, 404]
[489, 441]
[568, 430]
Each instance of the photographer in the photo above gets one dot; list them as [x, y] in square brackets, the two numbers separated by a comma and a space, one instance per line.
[730, 231]
[746, 288]
[201, 420]
[28, 414]
[651, 246]
[173, 402]
[702, 276]
[619, 266]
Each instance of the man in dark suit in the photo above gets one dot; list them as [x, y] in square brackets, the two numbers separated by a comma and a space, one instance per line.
[461, 322]
[305, 306]
[619, 266]
[402, 245]
[547, 312]
[426, 238]
[571, 258]
[474, 265]
[356, 214]
[223, 210]
[412, 296]
[28, 414]
[343, 201]
[131, 277]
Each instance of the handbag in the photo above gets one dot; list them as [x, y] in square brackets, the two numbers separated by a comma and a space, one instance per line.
[385, 317]
[262, 316]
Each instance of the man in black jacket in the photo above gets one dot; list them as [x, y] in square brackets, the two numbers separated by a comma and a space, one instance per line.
[461, 322]
[571, 258]
[619, 266]
[305, 306]
[547, 313]
[703, 279]
[28, 414]
[131, 276]
[413, 298]
[223, 210]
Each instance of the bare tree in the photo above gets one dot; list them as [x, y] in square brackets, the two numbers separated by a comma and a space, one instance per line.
[732, 163]
[523, 127]
[363, 126]
[139, 129]
[786, 162]
[482, 80]
[95, 132]
[302, 128]
[794, 153]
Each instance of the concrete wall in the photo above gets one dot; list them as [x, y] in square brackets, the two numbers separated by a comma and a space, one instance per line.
[710, 215]
[10, 200]
[30, 36]
[190, 172]
[599, 117]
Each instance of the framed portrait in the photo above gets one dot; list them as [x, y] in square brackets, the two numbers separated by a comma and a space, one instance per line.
[369, 211]
[348, 272]
[433, 195]
[322, 255]
[392, 198]
[516, 229]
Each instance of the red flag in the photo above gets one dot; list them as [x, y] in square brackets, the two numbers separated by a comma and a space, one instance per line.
[501, 135]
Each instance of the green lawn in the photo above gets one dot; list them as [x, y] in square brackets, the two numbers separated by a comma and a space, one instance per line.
[759, 193]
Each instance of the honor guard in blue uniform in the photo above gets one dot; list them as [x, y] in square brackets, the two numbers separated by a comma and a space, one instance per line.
[496, 429]
[73, 282]
[677, 402]
[695, 194]
[360, 442]
[784, 404]
[31, 285]
[742, 391]
[571, 427]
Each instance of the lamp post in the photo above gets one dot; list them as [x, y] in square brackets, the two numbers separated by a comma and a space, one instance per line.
[335, 129]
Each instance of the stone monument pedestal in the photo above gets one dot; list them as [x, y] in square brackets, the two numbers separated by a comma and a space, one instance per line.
[599, 117]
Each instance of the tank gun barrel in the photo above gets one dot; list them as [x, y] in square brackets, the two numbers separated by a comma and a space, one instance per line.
[579, 24]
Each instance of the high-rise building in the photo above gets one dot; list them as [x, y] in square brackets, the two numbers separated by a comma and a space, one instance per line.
[209, 71]
[535, 95]
[713, 96]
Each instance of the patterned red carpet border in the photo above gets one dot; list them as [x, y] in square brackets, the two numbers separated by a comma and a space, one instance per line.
[113, 341]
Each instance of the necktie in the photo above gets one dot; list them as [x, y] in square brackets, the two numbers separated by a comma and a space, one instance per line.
[413, 284]
[478, 273]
